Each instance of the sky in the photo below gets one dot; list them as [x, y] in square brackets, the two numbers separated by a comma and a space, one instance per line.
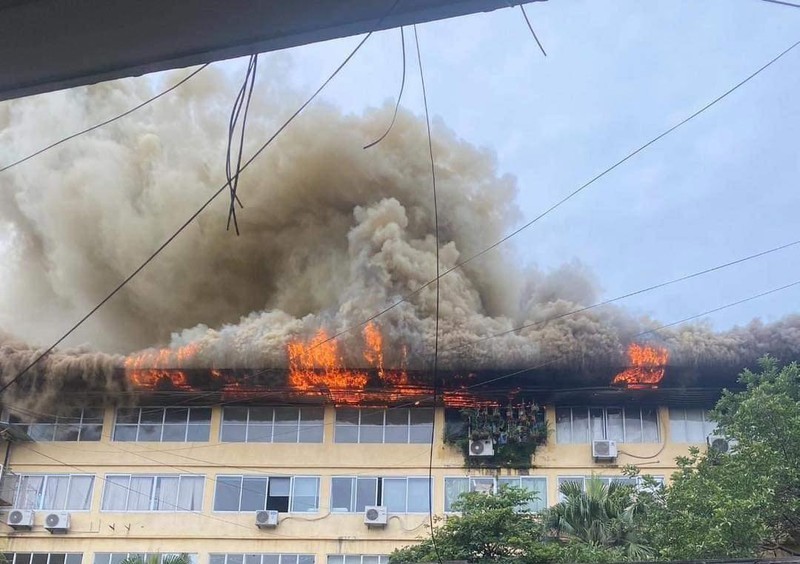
[616, 75]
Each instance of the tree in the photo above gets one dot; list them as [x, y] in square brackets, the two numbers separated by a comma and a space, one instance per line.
[601, 516]
[157, 559]
[745, 502]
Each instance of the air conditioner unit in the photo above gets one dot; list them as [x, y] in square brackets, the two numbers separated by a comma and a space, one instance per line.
[20, 519]
[604, 450]
[57, 523]
[721, 444]
[481, 447]
[266, 519]
[375, 516]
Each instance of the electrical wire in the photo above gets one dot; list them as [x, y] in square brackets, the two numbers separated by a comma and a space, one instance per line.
[783, 3]
[106, 122]
[530, 27]
[564, 200]
[399, 96]
[436, 314]
[628, 295]
[242, 101]
[188, 221]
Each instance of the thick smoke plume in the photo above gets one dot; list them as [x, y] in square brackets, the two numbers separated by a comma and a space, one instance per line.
[330, 234]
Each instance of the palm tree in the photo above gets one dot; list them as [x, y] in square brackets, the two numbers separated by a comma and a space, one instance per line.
[600, 515]
[157, 559]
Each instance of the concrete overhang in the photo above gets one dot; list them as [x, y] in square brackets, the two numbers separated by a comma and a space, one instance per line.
[48, 45]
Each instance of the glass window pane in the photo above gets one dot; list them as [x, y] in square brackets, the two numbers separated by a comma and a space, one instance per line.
[421, 425]
[483, 485]
[42, 431]
[259, 433]
[21, 558]
[235, 558]
[55, 492]
[371, 427]
[710, 426]
[346, 426]
[254, 494]
[198, 432]
[341, 494]
[91, 432]
[174, 433]
[677, 425]
[80, 493]
[252, 559]
[216, 559]
[418, 495]
[394, 495]
[29, 492]
[650, 425]
[261, 415]
[115, 493]
[233, 433]
[125, 433]
[453, 488]
[396, 426]
[149, 433]
[537, 486]
[166, 494]
[228, 491]
[563, 425]
[580, 425]
[128, 415]
[598, 425]
[67, 432]
[93, 415]
[278, 494]
[176, 415]
[335, 559]
[74, 558]
[152, 415]
[39, 558]
[190, 496]
[311, 432]
[141, 493]
[57, 558]
[694, 426]
[286, 420]
[366, 493]
[633, 425]
[305, 494]
[234, 415]
[200, 415]
[614, 430]
[288, 559]
[270, 559]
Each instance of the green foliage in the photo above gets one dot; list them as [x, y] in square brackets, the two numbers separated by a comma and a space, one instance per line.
[157, 559]
[605, 516]
[741, 503]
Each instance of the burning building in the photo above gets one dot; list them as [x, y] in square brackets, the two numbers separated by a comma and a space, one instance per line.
[272, 424]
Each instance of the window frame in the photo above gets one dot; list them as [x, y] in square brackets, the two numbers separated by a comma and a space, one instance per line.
[495, 488]
[608, 479]
[63, 421]
[154, 500]
[163, 424]
[295, 556]
[161, 555]
[46, 477]
[300, 424]
[590, 424]
[343, 558]
[66, 555]
[267, 477]
[706, 420]
[379, 493]
[384, 425]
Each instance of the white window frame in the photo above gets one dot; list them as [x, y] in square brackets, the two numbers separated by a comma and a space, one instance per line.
[145, 555]
[604, 478]
[49, 555]
[709, 425]
[379, 487]
[283, 557]
[163, 424]
[495, 487]
[589, 422]
[154, 500]
[348, 558]
[267, 477]
[384, 425]
[78, 422]
[40, 500]
[300, 424]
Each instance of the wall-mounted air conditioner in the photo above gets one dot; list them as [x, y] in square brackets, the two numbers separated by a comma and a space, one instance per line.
[20, 519]
[375, 516]
[604, 450]
[723, 445]
[57, 522]
[481, 447]
[266, 519]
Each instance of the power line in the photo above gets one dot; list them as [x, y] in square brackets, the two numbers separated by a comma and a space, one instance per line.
[629, 294]
[783, 3]
[436, 314]
[399, 96]
[564, 200]
[191, 218]
[106, 122]
[530, 27]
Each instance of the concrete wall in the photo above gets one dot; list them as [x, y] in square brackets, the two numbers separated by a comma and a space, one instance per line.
[321, 533]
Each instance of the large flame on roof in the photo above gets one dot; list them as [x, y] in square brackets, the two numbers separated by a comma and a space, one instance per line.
[647, 367]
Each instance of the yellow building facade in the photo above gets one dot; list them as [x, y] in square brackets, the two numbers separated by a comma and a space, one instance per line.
[137, 486]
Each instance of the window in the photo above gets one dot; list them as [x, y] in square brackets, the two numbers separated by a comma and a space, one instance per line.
[272, 425]
[357, 559]
[628, 425]
[260, 559]
[137, 492]
[690, 425]
[78, 425]
[42, 557]
[636, 481]
[454, 487]
[384, 425]
[117, 557]
[295, 494]
[399, 494]
[54, 492]
[163, 424]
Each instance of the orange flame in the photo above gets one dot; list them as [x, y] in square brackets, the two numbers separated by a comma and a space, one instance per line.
[648, 365]
[156, 368]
